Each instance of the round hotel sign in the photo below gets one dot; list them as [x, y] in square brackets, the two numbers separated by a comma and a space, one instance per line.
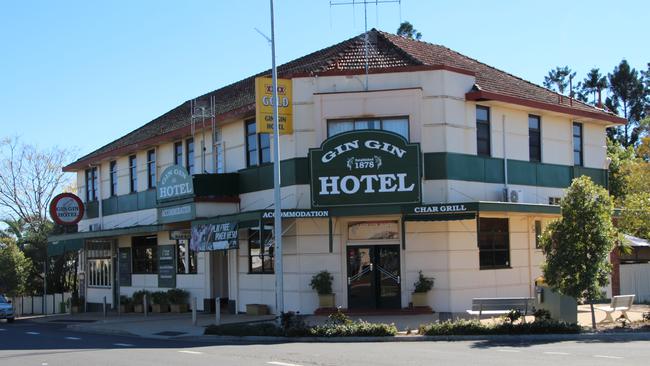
[368, 167]
[174, 183]
[66, 209]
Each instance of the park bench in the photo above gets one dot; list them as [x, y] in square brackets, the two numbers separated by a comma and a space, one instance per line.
[501, 305]
[621, 303]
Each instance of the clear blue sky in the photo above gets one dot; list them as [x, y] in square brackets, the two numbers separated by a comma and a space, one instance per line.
[82, 73]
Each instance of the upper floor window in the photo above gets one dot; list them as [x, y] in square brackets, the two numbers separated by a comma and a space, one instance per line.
[398, 125]
[151, 168]
[493, 243]
[189, 155]
[577, 144]
[133, 174]
[482, 130]
[113, 178]
[178, 153]
[534, 138]
[91, 184]
[258, 146]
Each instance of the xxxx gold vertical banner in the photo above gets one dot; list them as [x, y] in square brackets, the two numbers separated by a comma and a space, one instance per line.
[264, 105]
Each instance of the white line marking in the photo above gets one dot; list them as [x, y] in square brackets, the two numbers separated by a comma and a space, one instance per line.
[282, 363]
[191, 352]
[72, 338]
[123, 344]
[44, 364]
[508, 350]
[557, 353]
[610, 357]
[2, 330]
[33, 333]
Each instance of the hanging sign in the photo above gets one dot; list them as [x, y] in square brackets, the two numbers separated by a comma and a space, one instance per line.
[66, 209]
[207, 237]
[367, 167]
[264, 105]
[175, 183]
[184, 234]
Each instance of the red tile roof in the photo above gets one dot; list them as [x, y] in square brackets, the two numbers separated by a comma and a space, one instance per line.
[387, 53]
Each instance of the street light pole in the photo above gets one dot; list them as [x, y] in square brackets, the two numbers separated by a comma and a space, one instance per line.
[277, 212]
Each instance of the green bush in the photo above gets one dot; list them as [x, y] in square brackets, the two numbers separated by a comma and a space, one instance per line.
[474, 327]
[423, 284]
[512, 316]
[541, 314]
[160, 298]
[354, 329]
[322, 283]
[138, 297]
[241, 330]
[178, 296]
[646, 316]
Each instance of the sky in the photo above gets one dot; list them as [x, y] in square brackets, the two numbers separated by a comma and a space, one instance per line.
[79, 74]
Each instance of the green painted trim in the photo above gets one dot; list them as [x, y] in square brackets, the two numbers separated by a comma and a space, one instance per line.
[486, 206]
[473, 168]
[61, 246]
[129, 202]
[258, 178]
[143, 229]
[91, 210]
[216, 185]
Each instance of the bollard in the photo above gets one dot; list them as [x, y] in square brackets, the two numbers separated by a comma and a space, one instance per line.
[217, 311]
[144, 305]
[104, 308]
[194, 311]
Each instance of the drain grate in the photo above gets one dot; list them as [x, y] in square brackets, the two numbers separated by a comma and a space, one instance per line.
[169, 333]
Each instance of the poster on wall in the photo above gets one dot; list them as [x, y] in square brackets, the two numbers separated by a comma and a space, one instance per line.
[125, 266]
[167, 266]
[208, 237]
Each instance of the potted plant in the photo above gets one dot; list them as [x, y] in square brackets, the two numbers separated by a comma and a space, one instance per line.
[76, 303]
[138, 300]
[126, 304]
[159, 302]
[178, 300]
[322, 283]
[421, 287]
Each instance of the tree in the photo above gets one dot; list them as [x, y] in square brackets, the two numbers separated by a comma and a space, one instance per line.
[558, 79]
[630, 96]
[578, 244]
[594, 84]
[407, 30]
[621, 159]
[635, 216]
[14, 268]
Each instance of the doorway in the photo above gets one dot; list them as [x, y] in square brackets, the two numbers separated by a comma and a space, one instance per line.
[374, 277]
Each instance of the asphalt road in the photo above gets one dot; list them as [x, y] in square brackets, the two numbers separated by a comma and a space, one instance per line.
[26, 343]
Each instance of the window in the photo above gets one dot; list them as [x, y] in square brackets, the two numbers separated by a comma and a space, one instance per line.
[99, 264]
[113, 178]
[260, 252]
[219, 158]
[133, 174]
[554, 201]
[185, 258]
[91, 184]
[258, 146]
[189, 155]
[151, 168]
[482, 130]
[534, 138]
[577, 143]
[493, 243]
[145, 254]
[178, 153]
[398, 125]
[538, 233]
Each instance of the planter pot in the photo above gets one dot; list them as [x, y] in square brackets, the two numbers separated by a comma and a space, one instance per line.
[126, 308]
[75, 309]
[419, 299]
[138, 308]
[160, 308]
[257, 309]
[179, 308]
[326, 301]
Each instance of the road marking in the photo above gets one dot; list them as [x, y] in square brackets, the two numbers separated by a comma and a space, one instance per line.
[33, 333]
[557, 353]
[72, 338]
[44, 364]
[508, 350]
[123, 344]
[191, 352]
[2, 330]
[610, 357]
[282, 363]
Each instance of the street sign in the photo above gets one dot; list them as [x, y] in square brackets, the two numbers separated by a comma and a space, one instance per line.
[66, 209]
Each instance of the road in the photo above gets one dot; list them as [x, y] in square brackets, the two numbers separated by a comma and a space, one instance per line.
[27, 343]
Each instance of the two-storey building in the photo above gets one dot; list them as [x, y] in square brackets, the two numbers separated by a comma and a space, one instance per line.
[434, 162]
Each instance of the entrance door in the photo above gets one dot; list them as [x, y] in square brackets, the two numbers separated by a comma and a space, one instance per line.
[373, 277]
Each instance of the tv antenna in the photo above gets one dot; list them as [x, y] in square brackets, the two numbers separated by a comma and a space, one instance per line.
[200, 111]
[365, 3]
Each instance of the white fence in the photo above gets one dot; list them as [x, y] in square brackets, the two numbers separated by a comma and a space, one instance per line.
[33, 305]
[635, 279]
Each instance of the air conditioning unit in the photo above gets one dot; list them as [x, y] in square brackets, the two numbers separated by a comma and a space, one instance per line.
[513, 195]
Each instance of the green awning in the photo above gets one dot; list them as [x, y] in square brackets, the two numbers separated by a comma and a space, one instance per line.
[59, 244]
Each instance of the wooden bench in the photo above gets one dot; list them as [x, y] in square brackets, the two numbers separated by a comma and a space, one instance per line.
[621, 303]
[501, 305]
